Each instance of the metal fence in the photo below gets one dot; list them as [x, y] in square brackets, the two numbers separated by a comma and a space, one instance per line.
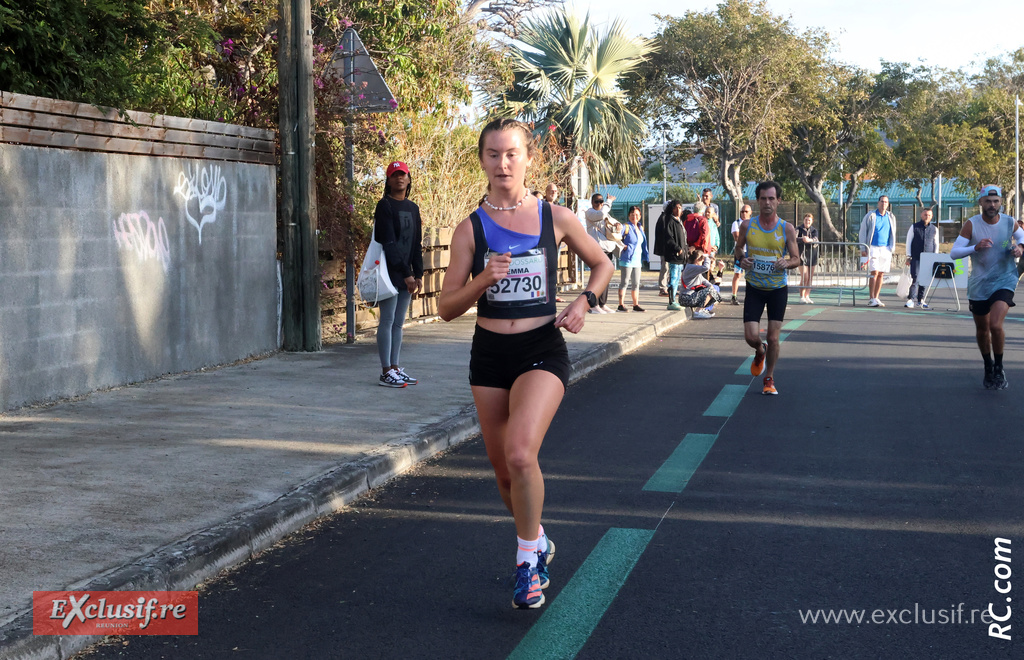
[839, 268]
[849, 224]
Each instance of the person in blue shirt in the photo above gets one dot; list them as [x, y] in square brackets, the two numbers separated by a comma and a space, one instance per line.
[630, 259]
[878, 232]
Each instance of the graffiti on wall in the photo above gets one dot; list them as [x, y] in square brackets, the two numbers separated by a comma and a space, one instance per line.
[147, 239]
[205, 191]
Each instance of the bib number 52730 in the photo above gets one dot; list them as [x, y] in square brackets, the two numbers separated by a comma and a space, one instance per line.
[525, 284]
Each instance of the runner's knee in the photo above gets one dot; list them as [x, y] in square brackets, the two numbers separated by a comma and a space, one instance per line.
[520, 460]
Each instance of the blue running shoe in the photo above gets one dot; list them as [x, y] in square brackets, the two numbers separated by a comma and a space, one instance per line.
[527, 593]
[543, 560]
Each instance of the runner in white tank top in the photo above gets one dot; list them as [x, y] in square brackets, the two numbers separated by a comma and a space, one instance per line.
[993, 242]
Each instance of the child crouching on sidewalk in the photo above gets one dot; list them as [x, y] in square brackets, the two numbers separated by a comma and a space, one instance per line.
[696, 290]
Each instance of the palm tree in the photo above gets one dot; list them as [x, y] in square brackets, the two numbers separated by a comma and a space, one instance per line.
[566, 83]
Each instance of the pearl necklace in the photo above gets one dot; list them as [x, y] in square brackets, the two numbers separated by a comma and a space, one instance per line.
[505, 208]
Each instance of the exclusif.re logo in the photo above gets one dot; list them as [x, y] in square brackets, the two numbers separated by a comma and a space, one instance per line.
[115, 612]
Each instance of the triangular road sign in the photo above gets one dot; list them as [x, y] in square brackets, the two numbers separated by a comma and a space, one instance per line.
[352, 64]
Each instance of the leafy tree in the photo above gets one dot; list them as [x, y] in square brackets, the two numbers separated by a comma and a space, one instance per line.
[683, 192]
[935, 136]
[504, 16]
[219, 61]
[729, 78]
[566, 82]
[836, 124]
[77, 50]
[992, 107]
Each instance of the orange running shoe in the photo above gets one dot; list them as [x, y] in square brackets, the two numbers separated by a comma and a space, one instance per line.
[769, 386]
[757, 366]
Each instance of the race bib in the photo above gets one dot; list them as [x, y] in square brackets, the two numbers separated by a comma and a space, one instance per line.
[764, 265]
[526, 283]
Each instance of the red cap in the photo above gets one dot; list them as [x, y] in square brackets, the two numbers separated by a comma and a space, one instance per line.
[397, 166]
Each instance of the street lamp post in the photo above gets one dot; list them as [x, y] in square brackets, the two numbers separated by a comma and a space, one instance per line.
[1016, 169]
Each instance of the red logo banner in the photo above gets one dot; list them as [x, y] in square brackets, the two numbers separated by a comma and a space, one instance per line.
[115, 612]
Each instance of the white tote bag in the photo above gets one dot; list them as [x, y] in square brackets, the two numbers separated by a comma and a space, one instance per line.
[903, 287]
[374, 284]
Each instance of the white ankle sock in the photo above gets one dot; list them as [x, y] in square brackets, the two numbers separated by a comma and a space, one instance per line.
[527, 552]
[542, 539]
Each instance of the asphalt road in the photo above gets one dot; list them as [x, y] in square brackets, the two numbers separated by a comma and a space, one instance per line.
[878, 480]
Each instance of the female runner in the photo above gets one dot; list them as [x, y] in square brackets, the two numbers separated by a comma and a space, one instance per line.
[504, 260]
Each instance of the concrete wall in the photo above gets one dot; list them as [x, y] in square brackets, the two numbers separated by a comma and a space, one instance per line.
[118, 268]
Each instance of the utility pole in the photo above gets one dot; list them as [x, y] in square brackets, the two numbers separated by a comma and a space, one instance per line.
[300, 315]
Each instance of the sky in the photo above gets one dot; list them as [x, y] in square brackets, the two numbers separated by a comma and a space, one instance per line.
[937, 33]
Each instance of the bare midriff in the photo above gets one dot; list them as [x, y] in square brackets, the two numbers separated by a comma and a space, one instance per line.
[513, 326]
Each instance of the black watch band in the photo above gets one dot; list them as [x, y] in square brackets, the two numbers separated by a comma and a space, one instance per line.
[591, 298]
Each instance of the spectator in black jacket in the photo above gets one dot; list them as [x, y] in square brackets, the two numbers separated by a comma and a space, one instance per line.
[659, 251]
[399, 230]
[675, 250]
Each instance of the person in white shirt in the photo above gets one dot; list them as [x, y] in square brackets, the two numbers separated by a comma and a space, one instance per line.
[993, 241]
[735, 231]
[878, 232]
[606, 230]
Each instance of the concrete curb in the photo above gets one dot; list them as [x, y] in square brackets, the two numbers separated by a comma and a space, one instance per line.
[182, 564]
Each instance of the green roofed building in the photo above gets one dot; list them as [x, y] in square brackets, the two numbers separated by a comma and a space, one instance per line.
[957, 204]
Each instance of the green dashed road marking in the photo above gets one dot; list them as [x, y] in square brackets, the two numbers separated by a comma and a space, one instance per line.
[726, 401]
[675, 473]
[568, 622]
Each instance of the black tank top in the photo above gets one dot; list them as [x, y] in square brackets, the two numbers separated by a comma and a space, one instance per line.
[529, 289]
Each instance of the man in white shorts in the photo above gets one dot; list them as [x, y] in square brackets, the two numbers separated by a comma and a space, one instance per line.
[993, 241]
[878, 232]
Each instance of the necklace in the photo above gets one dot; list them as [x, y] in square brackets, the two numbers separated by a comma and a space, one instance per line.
[505, 208]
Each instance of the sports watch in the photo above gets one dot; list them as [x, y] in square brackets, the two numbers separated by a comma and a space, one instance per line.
[591, 298]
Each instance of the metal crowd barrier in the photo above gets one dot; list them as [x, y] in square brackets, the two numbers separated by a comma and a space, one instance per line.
[839, 269]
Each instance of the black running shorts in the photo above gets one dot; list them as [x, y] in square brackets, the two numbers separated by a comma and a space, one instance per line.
[983, 307]
[497, 360]
[755, 300]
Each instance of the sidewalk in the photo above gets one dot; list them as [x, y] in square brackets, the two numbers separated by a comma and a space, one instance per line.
[163, 484]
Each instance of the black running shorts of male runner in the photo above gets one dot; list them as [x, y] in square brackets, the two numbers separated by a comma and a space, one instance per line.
[983, 307]
[497, 360]
[755, 300]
